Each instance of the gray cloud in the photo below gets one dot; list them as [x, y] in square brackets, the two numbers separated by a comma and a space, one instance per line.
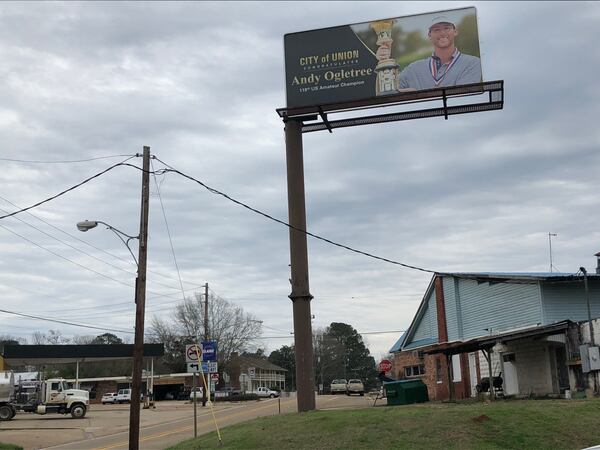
[200, 82]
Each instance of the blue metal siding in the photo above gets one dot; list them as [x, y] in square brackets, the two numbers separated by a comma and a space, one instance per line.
[426, 328]
[567, 301]
[498, 307]
[450, 304]
[420, 343]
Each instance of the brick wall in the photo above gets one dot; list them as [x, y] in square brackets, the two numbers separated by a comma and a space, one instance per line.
[436, 366]
[103, 387]
[434, 372]
[436, 391]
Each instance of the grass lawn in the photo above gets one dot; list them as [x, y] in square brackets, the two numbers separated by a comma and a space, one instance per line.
[510, 424]
[4, 446]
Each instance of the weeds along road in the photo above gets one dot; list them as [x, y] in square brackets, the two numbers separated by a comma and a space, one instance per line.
[106, 427]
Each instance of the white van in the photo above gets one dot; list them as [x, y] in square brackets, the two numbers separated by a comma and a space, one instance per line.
[123, 396]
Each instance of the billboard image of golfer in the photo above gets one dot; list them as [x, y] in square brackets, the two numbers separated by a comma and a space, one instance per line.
[383, 57]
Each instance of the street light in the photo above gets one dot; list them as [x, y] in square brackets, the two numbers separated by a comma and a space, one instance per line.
[87, 225]
[140, 297]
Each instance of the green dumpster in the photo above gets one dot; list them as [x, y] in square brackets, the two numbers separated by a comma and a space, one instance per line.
[405, 392]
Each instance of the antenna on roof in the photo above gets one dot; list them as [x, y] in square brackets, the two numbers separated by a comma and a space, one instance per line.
[550, 244]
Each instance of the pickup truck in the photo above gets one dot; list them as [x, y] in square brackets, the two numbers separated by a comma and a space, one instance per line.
[266, 392]
[338, 386]
[355, 386]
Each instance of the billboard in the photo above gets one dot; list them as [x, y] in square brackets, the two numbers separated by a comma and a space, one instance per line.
[383, 57]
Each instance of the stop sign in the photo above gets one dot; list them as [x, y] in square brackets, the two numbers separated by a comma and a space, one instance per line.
[385, 365]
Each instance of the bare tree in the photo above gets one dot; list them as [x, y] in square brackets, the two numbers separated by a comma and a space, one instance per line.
[12, 340]
[53, 337]
[83, 339]
[228, 324]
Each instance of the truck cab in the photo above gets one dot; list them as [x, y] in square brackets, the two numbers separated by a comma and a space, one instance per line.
[55, 396]
[41, 397]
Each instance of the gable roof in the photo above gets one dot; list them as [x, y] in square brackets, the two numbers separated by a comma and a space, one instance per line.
[259, 363]
[413, 325]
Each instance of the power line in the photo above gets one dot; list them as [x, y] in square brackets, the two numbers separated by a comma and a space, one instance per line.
[72, 246]
[503, 280]
[308, 233]
[80, 250]
[47, 319]
[64, 257]
[87, 180]
[382, 332]
[62, 162]
[162, 207]
[126, 260]
[29, 161]
[76, 263]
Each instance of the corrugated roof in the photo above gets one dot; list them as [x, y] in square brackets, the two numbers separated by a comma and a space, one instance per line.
[484, 342]
[533, 276]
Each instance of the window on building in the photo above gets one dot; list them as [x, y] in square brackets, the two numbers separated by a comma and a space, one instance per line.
[438, 370]
[456, 372]
[508, 357]
[414, 371]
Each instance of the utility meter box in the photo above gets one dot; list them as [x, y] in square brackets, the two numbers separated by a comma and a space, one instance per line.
[594, 353]
[590, 358]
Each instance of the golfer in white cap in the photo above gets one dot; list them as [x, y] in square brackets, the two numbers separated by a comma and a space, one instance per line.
[447, 66]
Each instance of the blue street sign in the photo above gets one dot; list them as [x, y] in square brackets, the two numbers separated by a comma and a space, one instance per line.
[209, 350]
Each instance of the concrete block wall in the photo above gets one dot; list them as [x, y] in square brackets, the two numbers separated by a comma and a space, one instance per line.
[483, 364]
[534, 370]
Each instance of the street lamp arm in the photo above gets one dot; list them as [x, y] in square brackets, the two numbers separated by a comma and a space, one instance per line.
[117, 231]
[89, 224]
[120, 235]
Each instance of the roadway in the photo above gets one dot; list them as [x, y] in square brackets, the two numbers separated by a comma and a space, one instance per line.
[106, 427]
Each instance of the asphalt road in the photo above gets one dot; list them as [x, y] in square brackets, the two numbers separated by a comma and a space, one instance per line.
[106, 427]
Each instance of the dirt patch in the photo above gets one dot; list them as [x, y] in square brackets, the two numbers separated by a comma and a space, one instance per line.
[480, 419]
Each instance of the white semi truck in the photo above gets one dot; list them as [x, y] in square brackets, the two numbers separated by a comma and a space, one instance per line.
[40, 397]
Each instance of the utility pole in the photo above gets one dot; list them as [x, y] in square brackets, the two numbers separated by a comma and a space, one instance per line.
[300, 296]
[589, 311]
[587, 299]
[140, 302]
[550, 243]
[205, 375]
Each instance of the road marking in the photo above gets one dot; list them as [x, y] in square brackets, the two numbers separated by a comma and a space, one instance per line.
[226, 408]
[179, 430]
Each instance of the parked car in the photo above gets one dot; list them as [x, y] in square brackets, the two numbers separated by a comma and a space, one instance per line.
[109, 397]
[197, 392]
[355, 386]
[338, 386]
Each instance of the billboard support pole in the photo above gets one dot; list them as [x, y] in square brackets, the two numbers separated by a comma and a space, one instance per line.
[445, 101]
[300, 295]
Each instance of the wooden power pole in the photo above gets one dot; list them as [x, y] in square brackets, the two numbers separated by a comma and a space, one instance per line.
[205, 375]
[140, 302]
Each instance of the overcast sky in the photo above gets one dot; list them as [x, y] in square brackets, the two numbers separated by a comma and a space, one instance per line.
[199, 83]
